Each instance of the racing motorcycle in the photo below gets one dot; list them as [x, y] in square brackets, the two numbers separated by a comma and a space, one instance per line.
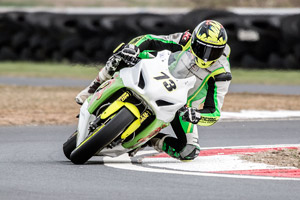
[128, 110]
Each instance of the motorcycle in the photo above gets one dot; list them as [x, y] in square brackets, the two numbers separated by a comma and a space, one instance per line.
[128, 110]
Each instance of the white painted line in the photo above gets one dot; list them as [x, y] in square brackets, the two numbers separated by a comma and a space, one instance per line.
[260, 115]
[254, 146]
[202, 166]
[209, 164]
[129, 166]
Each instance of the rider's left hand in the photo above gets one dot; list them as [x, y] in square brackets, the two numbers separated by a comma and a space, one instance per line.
[190, 114]
[130, 53]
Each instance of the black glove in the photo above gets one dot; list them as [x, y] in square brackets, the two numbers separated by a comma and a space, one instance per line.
[190, 114]
[129, 54]
[112, 64]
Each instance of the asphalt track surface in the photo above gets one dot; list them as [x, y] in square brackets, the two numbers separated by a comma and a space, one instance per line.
[32, 166]
[254, 88]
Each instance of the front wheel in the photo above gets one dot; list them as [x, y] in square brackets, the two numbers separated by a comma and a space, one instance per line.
[102, 136]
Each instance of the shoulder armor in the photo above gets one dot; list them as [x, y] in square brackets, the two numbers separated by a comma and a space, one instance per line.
[185, 38]
[227, 51]
[223, 77]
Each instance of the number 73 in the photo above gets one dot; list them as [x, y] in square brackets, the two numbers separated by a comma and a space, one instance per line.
[169, 84]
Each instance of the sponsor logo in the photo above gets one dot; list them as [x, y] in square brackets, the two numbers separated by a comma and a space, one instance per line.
[124, 96]
[144, 116]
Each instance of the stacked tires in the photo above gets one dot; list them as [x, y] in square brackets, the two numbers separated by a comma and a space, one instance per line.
[260, 41]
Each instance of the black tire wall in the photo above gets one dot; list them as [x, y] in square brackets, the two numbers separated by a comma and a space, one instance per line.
[257, 41]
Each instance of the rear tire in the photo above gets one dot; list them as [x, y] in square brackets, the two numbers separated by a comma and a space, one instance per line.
[70, 145]
[103, 137]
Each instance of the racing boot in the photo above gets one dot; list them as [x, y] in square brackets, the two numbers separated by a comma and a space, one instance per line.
[156, 143]
[166, 143]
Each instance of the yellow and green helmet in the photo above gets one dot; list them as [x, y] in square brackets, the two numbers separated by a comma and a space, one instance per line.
[208, 42]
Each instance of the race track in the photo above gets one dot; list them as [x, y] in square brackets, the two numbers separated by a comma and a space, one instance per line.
[32, 166]
[234, 88]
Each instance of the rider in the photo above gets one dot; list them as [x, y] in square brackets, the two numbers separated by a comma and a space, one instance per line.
[203, 54]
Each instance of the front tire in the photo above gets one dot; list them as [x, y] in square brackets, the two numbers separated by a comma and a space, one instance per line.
[101, 138]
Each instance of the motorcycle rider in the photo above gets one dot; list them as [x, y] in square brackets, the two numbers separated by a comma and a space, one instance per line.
[203, 54]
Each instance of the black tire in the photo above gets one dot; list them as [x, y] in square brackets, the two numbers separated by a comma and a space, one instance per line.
[290, 62]
[7, 53]
[70, 45]
[275, 61]
[20, 40]
[157, 25]
[70, 145]
[92, 45]
[250, 62]
[103, 137]
[193, 18]
[290, 28]
[80, 57]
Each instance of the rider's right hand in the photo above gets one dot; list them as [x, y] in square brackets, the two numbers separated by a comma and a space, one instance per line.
[112, 64]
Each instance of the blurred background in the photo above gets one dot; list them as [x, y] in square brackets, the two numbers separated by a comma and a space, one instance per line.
[262, 34]
[52, 49]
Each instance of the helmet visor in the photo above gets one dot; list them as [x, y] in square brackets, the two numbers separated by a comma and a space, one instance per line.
[207, 52]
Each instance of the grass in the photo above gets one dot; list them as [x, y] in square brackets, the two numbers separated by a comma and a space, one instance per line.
[56, 70]
[49, 70]
[268, 77]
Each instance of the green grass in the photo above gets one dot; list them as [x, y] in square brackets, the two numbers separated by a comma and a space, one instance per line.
[49, 70]
[55, 70]
[268, 77]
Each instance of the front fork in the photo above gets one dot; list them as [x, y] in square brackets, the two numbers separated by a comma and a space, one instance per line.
[116, 106]
[87, 120]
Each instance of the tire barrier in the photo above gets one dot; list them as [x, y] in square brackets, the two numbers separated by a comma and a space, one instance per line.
[257, 41]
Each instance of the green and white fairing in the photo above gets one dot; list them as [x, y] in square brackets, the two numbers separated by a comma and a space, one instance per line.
[151, 81]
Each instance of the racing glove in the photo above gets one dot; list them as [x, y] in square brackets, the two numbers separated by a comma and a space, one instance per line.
[110, 67]
[190, 114]
[129, 54]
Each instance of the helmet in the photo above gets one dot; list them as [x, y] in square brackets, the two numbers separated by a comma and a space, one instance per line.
[208, 42]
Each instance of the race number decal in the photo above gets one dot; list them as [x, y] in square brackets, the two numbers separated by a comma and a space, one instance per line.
[169, 84]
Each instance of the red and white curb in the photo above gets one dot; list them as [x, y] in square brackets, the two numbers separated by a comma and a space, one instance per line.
[218, 161]
[214, 162]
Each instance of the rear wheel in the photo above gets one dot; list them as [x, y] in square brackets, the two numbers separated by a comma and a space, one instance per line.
[102, 137]
[70, 145]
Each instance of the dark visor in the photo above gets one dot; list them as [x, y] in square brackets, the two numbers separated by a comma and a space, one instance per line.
[207, 52]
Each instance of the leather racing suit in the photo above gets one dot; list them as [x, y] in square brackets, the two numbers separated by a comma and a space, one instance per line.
[211, 86]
